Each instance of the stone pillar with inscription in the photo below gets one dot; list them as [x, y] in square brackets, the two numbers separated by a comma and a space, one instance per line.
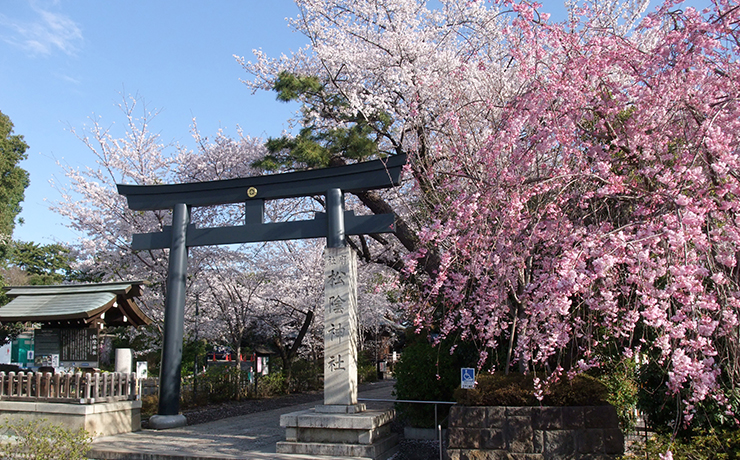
[340, 427]
[340, 332]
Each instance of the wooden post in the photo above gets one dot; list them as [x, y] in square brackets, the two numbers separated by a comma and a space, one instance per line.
[78, 390]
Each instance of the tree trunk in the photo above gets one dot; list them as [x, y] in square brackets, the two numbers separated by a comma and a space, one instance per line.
[287, 355]
[405, 235]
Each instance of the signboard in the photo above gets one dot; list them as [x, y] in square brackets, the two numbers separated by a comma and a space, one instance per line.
[142, 370]
[79, 344]
[46, 342]
[69, 344]
[467, 378]
[262, 365]
[47, 360]
[5, 354]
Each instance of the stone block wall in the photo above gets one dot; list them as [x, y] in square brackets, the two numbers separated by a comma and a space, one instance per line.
[534, 433]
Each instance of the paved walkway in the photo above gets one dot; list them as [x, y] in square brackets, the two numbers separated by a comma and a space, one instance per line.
[246, 437]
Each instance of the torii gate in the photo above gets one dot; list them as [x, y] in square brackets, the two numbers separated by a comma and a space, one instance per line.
[340, 387]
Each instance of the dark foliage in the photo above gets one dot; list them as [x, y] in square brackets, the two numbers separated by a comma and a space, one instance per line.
[518, 390]
[426, 372]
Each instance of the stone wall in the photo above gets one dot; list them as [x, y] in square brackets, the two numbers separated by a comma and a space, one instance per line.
[534, 433]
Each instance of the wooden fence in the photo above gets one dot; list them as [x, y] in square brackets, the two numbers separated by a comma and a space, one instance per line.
[78, 388]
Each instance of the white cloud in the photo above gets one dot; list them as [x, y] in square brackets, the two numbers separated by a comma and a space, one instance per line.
[68, 78]
[46, 33]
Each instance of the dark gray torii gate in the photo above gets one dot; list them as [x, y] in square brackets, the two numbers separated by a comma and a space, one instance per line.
[253, 191]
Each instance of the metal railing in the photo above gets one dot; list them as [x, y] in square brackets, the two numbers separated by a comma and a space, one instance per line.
[437, 425]
[78, 388]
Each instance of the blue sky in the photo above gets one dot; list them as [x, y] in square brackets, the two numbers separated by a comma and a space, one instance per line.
[63, 61]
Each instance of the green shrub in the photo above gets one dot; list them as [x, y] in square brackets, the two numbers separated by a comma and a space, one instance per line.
[663, 409]
[517, 389]
[224, 383]
[367, 373]
[271, 384]
[722, 444]
[149, 405]
[499, 389]
[36, 439]
[623, 389]
[367, 370]
[582, 390]
[429, 373]
[306, 375]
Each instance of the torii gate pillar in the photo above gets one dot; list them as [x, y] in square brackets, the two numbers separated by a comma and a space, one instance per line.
[169, 415]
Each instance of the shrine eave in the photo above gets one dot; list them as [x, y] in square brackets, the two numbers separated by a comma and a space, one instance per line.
[112, 304]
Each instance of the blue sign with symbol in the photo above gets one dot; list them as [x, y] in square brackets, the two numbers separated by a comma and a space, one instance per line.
[467, 378]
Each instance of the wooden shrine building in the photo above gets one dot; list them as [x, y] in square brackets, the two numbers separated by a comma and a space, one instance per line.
[71, 317]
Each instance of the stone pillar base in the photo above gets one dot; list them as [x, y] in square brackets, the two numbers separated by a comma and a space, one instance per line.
[364, 434]
[165, 422]
[339, 408]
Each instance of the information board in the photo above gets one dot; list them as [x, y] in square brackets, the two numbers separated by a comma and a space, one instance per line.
[79, 344]
[69, 344]
[46, 342]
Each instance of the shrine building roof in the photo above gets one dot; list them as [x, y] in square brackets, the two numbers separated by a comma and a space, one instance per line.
[75, 305]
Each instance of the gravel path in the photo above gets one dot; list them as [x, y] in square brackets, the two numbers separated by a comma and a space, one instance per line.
[205, 414]
[235, 408]
[244, 429]
[409, 449]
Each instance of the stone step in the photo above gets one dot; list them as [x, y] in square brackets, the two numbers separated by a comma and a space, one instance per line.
[380, 450]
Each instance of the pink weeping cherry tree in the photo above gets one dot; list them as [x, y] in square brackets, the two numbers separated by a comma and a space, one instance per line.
[576, 181]
[600, 211]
